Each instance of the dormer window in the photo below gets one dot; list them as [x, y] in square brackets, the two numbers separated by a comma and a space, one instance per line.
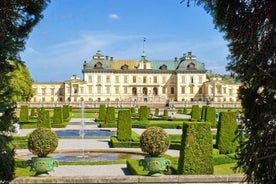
[163, 67]
[191, 66]
[98, 65]
[124, 67]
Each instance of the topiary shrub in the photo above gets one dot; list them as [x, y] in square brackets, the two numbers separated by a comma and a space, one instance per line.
[226, 133]
[196, 112]
[143, 113]
[166, 113]
[24, 113]
[211, 116]
[66, 112]
[110, 115]
[58, 116]
[43, 119]
[42, 141]
[195, 155]
[102, 112]
[154, 141]
[124, 125]
[133, 110]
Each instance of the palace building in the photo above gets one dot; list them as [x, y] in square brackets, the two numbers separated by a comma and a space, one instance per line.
[106, 80]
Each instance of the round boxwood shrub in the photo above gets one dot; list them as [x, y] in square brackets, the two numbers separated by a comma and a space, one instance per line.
[154, 141]
[42, 141]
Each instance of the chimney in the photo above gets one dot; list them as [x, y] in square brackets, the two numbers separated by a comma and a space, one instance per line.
[175, 58]
[111, 58]
[106, 57]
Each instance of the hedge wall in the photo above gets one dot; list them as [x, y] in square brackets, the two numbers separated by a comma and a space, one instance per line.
[196, 112]
[66, 112]
[196, 149]
[43, 119]
[102, 112]
[58, 116]
[226, 133]
[156, 112]
[110, 115]
[143, 113]
[24, 113]
[211, 116]
[124, 125]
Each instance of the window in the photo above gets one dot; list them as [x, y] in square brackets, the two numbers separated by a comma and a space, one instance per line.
[191, 90]
[52, 91]
[134, 79]
[117, 79]
[125, 79]
[125, 90]
[99, 78]
[107, 79]
[183, 89]
[183, 79]
[117, 90]
[145, 66]
[200, 79]
[60, 91]
[90, 79]
[172, 79]
[43, 91]
[144, 79]
[192, 79]
[99, 89]
[172, 90]
[81, 89]
[107, 89]
[90, 89]
[163, 79]
[164, 90]
[155, 79]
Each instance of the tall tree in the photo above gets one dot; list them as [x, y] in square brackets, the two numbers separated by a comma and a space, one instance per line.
[17, 18]
[249, 26]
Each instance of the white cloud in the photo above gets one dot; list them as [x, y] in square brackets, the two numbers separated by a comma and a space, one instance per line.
[113, 16]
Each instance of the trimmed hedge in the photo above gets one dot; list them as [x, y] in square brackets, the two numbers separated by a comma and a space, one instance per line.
[226, 134]
[196, 149]
[166, 113]
[24, 113]
[203, 113]
[211, 116]
[102, 112]
[124, 125]
[66, 112]
[196, 112]
[43, 119]
[110, 115]
[144, 113]
[58, 116]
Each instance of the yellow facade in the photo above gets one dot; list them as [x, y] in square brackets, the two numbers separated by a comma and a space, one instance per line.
[106, 80]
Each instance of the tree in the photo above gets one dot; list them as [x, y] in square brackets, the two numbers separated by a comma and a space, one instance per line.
[21, 81]
[249, 27]
[17, 18]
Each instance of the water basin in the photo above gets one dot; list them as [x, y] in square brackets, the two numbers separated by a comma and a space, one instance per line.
[85, 133]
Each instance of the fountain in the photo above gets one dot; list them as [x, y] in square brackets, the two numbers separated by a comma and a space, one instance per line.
[82, 129]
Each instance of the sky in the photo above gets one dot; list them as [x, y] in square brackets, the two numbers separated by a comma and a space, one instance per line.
[72, 31]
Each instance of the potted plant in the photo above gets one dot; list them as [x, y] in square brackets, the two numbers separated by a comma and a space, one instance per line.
[41, 142]
[154, 141]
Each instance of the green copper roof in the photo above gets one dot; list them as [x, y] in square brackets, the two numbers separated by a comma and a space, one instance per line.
[185, 64]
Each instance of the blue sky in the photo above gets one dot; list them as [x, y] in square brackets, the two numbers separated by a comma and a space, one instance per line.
[72, 31]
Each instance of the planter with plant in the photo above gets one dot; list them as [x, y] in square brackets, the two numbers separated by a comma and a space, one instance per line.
[154, 141]
[41, 142]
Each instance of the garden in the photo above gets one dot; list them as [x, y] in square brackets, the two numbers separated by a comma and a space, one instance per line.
[207, 144]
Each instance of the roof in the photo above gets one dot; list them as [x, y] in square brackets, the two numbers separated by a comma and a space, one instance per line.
[187, 63]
